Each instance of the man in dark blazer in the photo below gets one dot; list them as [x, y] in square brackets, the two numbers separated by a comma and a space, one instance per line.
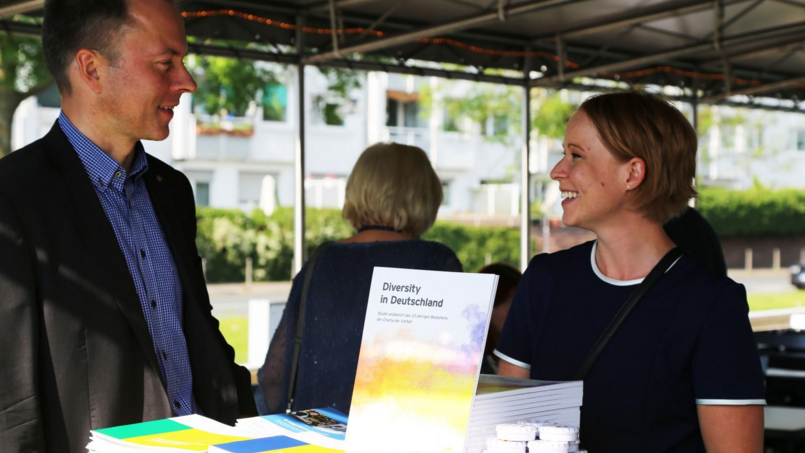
[104, 314]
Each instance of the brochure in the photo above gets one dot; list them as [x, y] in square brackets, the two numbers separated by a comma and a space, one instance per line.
[187, 433]
[421, 352]
[320, 427]
[271, 444]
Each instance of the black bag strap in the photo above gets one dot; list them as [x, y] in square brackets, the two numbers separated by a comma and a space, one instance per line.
[300, 321]
[627, 308]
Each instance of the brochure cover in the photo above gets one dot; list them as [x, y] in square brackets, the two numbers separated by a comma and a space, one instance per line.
[188, 433]
[270, 444]
[421, 351]
[321, 427]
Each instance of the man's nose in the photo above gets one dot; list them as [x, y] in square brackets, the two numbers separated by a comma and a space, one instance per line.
[185, 82]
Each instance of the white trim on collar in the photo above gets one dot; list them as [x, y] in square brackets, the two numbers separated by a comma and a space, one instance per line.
[613, 281]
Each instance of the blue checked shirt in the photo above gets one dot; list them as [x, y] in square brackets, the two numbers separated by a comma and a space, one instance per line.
[128, 207]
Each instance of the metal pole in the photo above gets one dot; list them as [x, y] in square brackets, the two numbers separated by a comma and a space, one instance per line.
[695, 117]
[333, 29]
[21, 8]
[525, 186]
[560, 50]
[757, 89]
[299, 167]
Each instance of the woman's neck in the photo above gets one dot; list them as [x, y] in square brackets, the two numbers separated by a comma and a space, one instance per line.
[630, 251]
[376, 236]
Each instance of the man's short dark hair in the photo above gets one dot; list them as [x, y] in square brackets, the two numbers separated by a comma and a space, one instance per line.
[70, 25]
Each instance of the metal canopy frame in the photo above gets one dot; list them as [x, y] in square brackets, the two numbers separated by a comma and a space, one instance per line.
[710, 64]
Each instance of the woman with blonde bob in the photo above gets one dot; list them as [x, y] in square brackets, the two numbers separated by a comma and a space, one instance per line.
[392, 198]
[682, 373]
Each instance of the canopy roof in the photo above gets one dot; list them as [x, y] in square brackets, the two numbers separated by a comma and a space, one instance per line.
[717, 47]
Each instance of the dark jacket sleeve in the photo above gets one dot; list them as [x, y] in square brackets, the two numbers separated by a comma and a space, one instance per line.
[242, 376]
[20, 416]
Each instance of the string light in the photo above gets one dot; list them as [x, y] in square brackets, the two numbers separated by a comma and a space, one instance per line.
[277, 23]
[472, 48]
[496, 52]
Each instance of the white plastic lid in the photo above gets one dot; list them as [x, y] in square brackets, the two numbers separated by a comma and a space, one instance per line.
[504, 446]
[516, 432]
[536, 423]
[559, 433]
[545, 446]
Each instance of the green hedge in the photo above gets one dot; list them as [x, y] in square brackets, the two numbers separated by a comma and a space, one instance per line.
[757, 211]
[227, 237]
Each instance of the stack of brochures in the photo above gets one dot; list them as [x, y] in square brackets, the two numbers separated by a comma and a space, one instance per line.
[308, 431]
[501, 399]
[188, 433]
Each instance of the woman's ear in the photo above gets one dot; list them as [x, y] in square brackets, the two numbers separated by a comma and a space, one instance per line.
[636, 168]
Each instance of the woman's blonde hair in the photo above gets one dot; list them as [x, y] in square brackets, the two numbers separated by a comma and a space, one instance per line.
[643, 125]
[393, 185]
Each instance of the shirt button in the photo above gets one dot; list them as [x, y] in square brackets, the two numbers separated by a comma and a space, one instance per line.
[164, 355]
[101, 183]
[153, 304]
[142, 253]
[118, 174]
[177, 404]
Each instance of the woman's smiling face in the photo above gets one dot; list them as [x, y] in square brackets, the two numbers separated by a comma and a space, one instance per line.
[593, 183]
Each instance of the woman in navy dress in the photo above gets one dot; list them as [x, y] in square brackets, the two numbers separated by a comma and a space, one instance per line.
[682, 374]
[392, 198]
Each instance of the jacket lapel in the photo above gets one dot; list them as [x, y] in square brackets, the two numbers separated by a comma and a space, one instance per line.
[159, 185]
[86, 211]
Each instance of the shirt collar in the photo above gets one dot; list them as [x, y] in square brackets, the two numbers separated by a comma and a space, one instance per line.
[102, 169]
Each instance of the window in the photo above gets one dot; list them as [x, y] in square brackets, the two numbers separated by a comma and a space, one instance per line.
[275, 103]
[412, 118]
[445, 193]
[497, 125]
[251, 188]
[325, 191]
[327, 111]
[392, 117]
[754, 139]
[797, 140]
[449, 123]
[202, 194]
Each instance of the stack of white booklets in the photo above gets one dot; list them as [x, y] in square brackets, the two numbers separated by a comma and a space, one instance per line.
[501, 399]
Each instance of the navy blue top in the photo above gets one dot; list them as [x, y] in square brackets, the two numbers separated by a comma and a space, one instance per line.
[688, 342]
[334, 318]
[128, 207]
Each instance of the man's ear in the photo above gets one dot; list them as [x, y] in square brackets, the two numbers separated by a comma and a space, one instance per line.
[637, 173]
[91, 69]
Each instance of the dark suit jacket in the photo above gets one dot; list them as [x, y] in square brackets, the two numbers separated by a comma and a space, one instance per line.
[75, 352]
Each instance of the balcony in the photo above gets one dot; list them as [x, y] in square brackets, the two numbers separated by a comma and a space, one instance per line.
[411, 136]
[224, 140]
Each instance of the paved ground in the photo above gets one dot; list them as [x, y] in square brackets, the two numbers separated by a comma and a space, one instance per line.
[232, 298]
[764, 280]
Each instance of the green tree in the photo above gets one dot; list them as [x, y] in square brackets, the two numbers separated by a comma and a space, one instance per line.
[336, 103]
[22, 74]
[551, 114]
[228, 85]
